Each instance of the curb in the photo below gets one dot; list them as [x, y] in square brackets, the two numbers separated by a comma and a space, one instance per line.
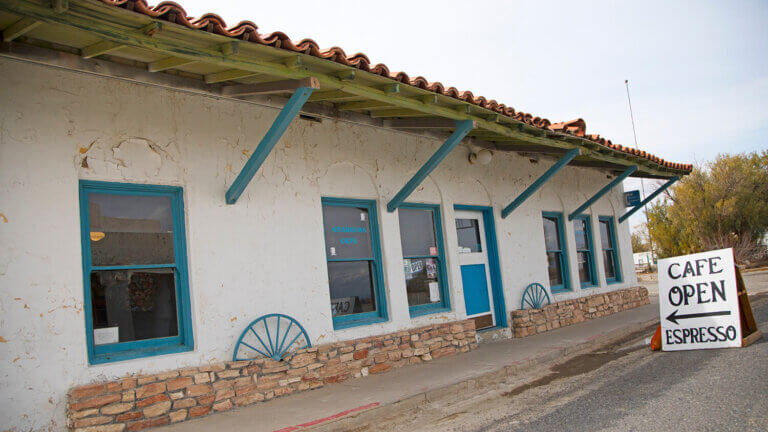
[356, 420]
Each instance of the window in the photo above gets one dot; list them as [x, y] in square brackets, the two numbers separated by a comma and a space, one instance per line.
[468, 232]
[610, 251]
[355, 276]
[557, 257]
[421, 236]
[584, 254]
[135, 271]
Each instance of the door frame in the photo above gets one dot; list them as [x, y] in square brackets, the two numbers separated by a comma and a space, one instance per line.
[494, 268]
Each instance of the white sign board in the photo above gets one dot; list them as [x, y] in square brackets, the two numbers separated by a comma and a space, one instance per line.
[698, 301]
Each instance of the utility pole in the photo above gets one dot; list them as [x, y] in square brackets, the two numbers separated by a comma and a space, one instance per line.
[642, 182]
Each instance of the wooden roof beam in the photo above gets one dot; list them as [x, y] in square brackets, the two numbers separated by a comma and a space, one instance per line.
[269, 87]
[168, 63]
[100, 48]
[363, 105]
[19, 28]
[420, 123]
[227, 75]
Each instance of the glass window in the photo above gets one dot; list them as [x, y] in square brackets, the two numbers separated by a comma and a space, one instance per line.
[557, 258]
[423, 263]
[468, 231]
[610, 250]
[584, 253]
[354, 265]
[137, 299]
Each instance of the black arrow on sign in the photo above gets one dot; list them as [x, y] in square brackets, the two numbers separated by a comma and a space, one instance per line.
[674, 316]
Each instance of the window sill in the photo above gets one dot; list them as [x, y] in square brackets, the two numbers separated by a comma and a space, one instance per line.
[357, 323]
[559, 290]
[421, 310]
[613, 282]
[138, 353]
[591, 285]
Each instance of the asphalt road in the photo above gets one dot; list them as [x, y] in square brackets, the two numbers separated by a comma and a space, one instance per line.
[623, 388]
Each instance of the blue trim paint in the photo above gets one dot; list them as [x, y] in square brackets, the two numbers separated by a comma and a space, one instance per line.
[540, 182]
[564, 263]
[497, 288]
[463, 127]
[445, 294]
[286, 116]
[648, 199]
[590, 249]
[150, 347]
[629, 171]
[475, 285]
[380, 315]
[617, 264]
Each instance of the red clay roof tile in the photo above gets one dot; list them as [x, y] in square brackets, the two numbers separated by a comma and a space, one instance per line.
[248, 31]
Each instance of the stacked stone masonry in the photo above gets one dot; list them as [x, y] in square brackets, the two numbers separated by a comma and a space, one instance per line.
[529, 322]
[140, 402]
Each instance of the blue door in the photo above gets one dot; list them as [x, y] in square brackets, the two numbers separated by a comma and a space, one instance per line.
[473, 261]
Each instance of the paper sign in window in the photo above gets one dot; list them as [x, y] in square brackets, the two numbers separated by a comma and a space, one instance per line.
[107, 335]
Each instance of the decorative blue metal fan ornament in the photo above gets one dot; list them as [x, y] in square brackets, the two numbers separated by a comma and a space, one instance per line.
[271, 335]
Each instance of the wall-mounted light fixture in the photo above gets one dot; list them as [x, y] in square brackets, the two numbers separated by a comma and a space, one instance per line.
[482, 157]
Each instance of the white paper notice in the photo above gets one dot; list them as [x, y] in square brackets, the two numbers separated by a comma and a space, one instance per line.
[362, 216]
[333, 251]
[434, 292]
[105, 336]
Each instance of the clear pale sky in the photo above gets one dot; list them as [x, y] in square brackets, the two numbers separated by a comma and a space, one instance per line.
[698, 71]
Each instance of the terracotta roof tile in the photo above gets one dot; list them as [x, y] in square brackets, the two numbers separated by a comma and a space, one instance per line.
[248, 31]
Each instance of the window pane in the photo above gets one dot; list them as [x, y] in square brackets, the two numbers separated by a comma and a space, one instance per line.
[347, 232]
[468, 232]
[352, 287]
[130, 229]
[132, 305]
[610, 268]
[551, 237]
[580, 229]
[421, 281]
[585, 273]
[605, 235]
[554, 269]
[417, 232]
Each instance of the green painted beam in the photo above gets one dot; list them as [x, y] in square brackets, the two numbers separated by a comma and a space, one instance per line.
[397, 112]
[362, 105]
[100, 48]
[227, 75]
[269, 87]
[168, 63]
[19, 28]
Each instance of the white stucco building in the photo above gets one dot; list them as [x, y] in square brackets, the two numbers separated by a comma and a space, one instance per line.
[121, 256]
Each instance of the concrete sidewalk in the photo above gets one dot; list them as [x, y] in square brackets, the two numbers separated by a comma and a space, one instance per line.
[412, 385]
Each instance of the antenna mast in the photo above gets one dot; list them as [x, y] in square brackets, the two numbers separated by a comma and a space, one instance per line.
[642, 182]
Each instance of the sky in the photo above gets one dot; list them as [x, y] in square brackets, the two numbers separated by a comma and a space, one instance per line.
[697, 71]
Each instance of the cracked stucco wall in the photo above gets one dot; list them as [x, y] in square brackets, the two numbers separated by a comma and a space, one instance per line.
[264, 254]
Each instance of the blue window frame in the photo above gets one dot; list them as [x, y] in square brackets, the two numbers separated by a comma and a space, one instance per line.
[134, 271]
[585, 255]
[557, 255]
[610, 248]
[424, 266]
[353, 255]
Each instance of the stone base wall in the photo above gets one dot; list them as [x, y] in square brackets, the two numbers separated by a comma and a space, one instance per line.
[529, 322]
[139, 402]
